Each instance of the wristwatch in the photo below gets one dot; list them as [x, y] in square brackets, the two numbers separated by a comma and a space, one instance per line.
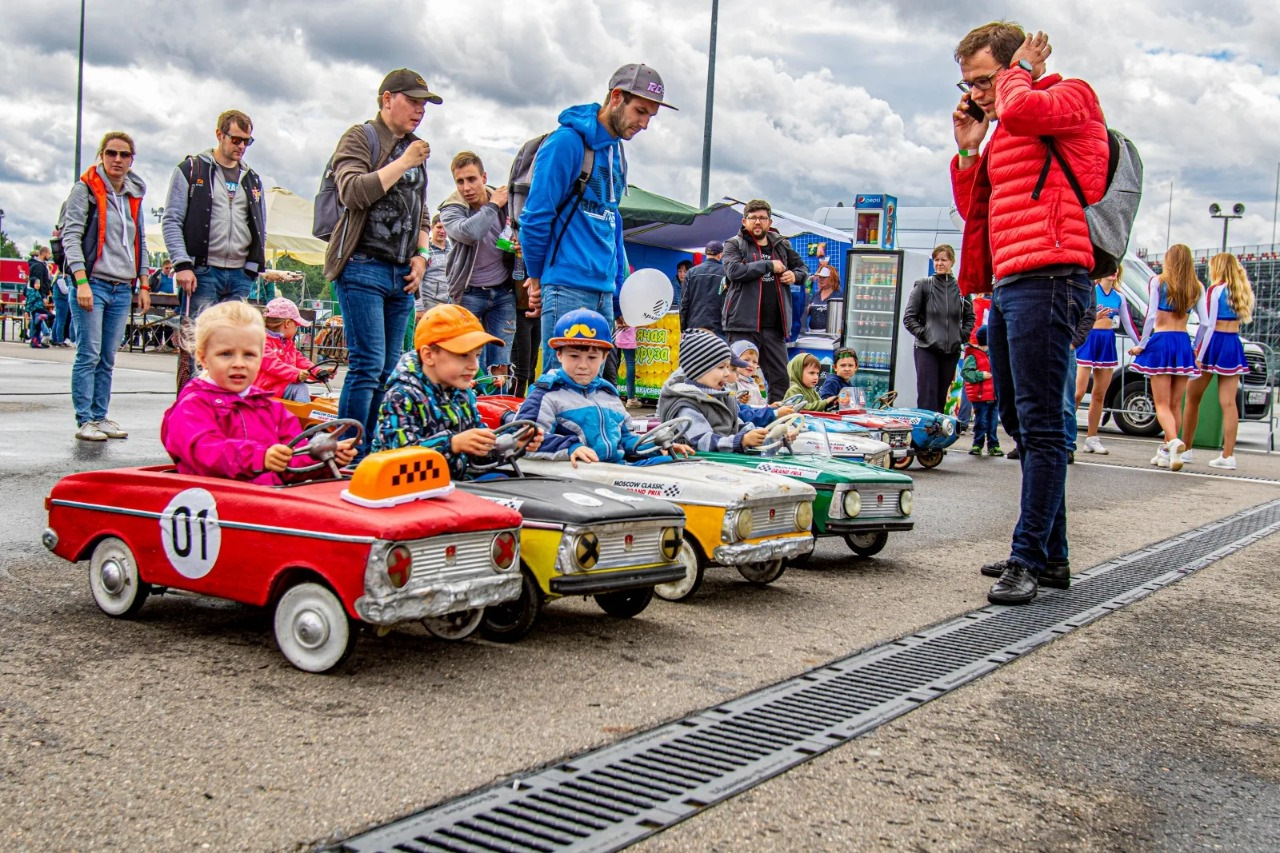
[1025, 66]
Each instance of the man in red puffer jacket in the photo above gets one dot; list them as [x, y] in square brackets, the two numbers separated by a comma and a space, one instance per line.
[1025, 226]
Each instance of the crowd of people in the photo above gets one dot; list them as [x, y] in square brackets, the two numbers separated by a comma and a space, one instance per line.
[500, 276]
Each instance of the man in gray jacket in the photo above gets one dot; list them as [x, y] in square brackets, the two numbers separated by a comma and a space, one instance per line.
[475, 219]
[215, 223]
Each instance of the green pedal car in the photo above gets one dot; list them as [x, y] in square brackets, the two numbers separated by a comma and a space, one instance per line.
[859, 502]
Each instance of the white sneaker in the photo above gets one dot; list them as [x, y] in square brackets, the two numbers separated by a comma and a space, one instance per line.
[1174, 454]
[1161, 459]
[1187, 457]
[111, 429]
[89, 432]
[1227, 462]
[1093, 444]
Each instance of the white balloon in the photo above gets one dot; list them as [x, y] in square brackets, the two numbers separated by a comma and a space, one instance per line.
[645, 297]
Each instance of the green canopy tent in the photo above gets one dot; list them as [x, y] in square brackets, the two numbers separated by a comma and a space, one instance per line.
[641, 207]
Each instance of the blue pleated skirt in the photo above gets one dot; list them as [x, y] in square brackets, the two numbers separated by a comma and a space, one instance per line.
[1225, 355]
[1167, 353]
[1098, 350]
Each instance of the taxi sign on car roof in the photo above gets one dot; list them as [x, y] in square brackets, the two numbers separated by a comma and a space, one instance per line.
[399, 476]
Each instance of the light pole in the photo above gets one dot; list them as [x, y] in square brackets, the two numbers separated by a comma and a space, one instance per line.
[1215, 211]
[79, 91]
[711, 91]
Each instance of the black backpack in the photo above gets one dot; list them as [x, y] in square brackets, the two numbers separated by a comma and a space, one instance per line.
[520, 179]
[327, 210]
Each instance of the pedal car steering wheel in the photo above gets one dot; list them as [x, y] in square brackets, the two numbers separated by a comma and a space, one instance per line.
[329, 364]
[663, 436]
[510, 443]
[795, 401]
[323, 446]
[776, 436]
[886, 399]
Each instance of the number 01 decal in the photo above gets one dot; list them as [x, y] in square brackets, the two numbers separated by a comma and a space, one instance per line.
[190, 532]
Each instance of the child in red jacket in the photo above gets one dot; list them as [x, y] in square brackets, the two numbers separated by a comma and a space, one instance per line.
[285, 371]
[981, 391]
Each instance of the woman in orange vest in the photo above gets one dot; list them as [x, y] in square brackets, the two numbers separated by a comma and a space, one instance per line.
[104, 240]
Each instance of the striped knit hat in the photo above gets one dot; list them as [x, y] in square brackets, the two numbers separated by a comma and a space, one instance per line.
[701, 351]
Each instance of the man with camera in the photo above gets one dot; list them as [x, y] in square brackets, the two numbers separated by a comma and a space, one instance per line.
[1025, 226]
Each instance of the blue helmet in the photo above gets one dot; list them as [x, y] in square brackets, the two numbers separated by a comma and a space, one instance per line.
[582, 327]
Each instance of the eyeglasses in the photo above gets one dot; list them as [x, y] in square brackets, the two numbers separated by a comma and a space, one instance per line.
[112, 152]
[246, 141]
[761, 218]
[982, 84]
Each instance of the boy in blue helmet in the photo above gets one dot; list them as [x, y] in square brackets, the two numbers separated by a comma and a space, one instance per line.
[582, 416]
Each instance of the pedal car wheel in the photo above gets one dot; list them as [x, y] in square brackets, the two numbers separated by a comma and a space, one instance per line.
[867, 544]
[113, 578]
[929, 458]
[763, 573]
[693, 571]
[513, 620]
[626, 603]
[904, 463]
[454, 626]
[313, 630]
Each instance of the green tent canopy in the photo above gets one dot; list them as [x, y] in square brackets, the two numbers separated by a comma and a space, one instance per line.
[641, 207]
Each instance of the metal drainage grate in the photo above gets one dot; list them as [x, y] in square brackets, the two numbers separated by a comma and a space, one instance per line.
[617, 795]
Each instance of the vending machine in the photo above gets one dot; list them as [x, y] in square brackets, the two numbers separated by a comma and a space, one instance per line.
[879, 282]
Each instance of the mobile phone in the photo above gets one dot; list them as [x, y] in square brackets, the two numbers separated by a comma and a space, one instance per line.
[975, 112]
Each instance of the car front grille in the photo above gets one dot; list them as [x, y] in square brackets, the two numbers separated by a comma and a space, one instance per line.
[1257, 374]
[433, 562]
[646, 543]
[897, 437]
[879, 503]
[783, 520]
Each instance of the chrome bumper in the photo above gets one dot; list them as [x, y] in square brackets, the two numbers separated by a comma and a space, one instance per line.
[761, 552]
[439, 599]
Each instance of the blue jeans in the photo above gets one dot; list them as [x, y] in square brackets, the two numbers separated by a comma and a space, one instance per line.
[1030, 328]
[629, 356]
[495, 307]
[63, 327]
[213, 285]
[558, 300]
[985, 421]
[1069, 424]
[375, 312]
[99, 334]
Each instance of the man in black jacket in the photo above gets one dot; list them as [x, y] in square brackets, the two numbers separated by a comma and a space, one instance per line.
[760, 266]
[703, 299]
[940, 319]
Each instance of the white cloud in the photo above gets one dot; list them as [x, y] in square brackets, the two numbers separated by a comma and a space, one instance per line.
[814, 102]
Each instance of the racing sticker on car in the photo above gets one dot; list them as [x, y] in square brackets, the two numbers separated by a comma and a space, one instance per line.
[321, 415]
[650, 488]
[789, 470]
[509, 503]
[190, 532]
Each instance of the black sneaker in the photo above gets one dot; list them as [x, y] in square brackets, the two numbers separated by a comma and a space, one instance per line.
[1057, 574]
[1071, 457]
[1016, 586]
[1013, 454]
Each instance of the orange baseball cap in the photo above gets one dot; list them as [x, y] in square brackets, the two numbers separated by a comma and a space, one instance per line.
[454, 328]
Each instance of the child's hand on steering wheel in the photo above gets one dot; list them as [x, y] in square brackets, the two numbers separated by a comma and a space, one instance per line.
[277, 457]
[754, 438]
[783, 411]
[345, 452]
[681, 450]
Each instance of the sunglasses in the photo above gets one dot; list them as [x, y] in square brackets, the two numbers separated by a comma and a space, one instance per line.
[112, 152]
[246, 141]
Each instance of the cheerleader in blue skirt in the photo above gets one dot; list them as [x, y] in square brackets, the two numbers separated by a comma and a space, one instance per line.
[1225, 306]
[1097, 357]
[1164, 354]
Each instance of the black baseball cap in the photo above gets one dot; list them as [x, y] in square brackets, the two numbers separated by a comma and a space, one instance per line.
[641, 80]
[410, 83]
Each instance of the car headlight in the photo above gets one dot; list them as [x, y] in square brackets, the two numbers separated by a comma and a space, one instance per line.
[399, 566]
[804, 516]
[670, 542]
[948, 426]
[741, 525]
[505, 550]
[906, 501]
[586, 550]
[852, 503]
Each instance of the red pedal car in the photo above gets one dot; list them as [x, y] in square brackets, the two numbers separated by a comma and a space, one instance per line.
[393, 543]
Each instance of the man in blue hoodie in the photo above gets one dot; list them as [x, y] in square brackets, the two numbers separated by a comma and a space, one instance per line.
[573, 252]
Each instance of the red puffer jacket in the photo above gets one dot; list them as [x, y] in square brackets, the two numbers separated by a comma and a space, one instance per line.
[1005, 230]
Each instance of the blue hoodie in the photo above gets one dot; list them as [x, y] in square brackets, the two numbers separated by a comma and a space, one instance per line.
[572, 415]
[591, 254]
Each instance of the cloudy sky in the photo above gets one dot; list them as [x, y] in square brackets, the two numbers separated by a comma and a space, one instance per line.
[816, 100]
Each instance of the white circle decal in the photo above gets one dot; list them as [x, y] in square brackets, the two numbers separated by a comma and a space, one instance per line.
[190, 532]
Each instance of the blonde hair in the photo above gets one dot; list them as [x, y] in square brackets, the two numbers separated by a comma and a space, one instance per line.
[1225, 268]
[1179, 277]
[235, 315]
[275, 324]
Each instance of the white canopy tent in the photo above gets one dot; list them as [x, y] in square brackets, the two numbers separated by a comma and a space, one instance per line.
[288, 229]
[721, 221]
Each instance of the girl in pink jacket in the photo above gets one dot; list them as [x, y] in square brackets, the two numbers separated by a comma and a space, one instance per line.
[285, 371]
[222, 425]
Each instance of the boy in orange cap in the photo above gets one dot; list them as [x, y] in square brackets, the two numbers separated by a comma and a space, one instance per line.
[429, 401]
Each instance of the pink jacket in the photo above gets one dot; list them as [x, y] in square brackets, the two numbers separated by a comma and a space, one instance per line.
[281, 362]
[212, 432]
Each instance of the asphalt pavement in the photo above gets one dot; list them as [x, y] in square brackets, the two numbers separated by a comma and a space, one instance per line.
[1157, 727]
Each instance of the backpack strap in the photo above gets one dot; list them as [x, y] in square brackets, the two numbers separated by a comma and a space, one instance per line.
[575, 197]
[1050, 155]
[375, 146]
